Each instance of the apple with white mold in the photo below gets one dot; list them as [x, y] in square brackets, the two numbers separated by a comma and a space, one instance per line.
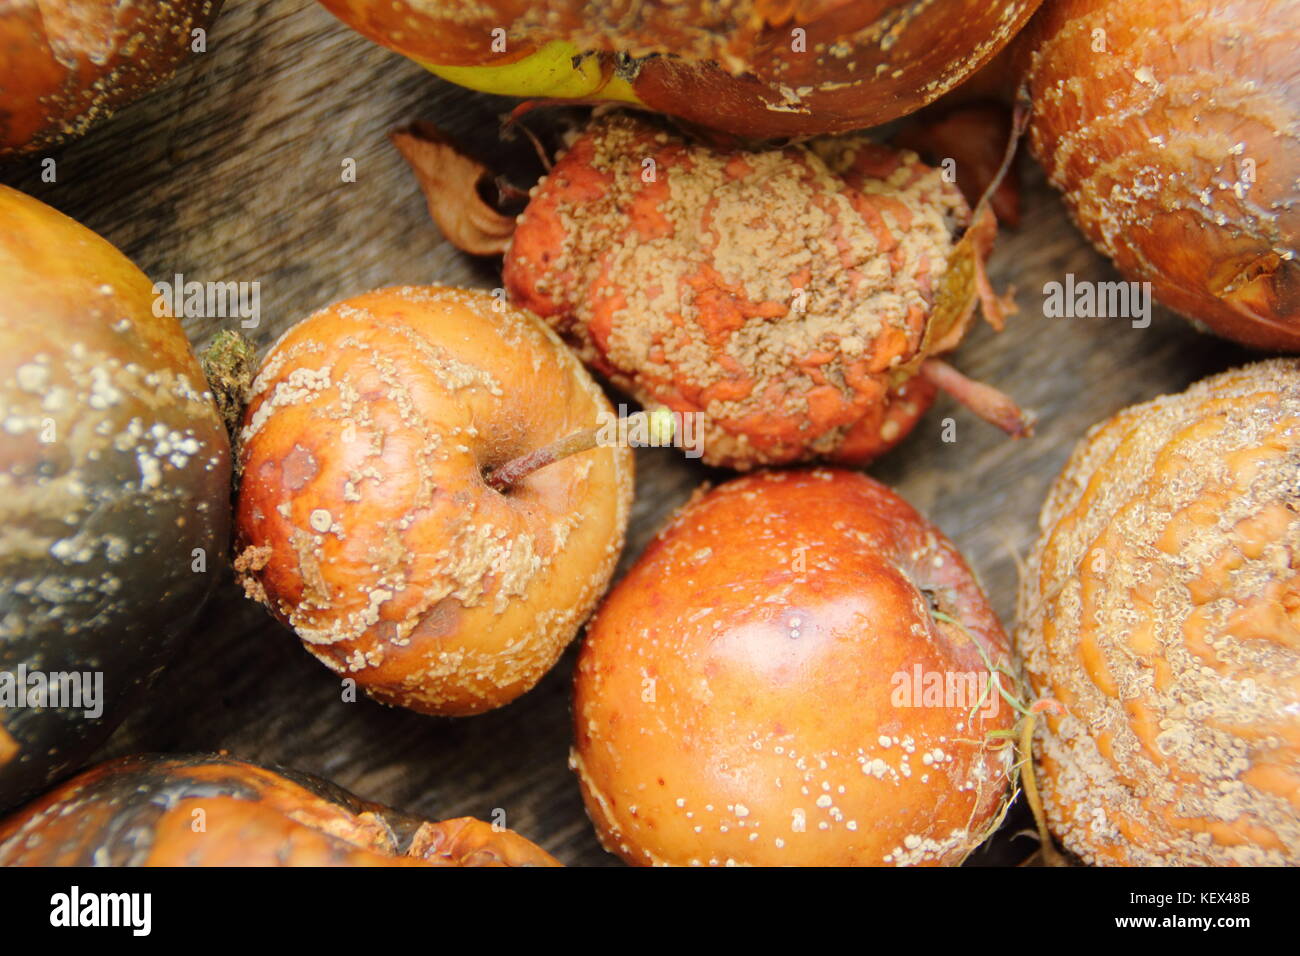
[412, 503]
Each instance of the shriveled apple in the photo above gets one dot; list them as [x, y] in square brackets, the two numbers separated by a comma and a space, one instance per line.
[795, 298]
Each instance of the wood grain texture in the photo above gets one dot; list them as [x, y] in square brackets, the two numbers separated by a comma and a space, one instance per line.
[232, 173]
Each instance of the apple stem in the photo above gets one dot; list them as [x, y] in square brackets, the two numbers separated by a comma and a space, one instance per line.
[659, 425]
[985, 401]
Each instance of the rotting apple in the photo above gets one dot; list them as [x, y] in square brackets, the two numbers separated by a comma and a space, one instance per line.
[761, 687]
[756, 68]
[1161, 609]
[367, 520]
[141, 811]
[66, 64]
[1171, 130]
[796, 298]
[114, 491]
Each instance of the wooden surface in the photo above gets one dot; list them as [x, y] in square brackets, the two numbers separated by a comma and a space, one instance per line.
[232, 173]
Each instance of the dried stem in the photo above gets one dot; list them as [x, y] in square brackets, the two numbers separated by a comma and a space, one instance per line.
[515, 470]
[659, 426]
[984, 400]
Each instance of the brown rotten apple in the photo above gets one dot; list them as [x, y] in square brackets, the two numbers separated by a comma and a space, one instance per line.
[795, 297]
[797, 671]
[1173, 130]
[366, 520]
[145, 811]
[1161, 607]
[755, 68]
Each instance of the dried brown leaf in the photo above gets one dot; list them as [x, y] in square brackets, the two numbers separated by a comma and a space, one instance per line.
[450, 180]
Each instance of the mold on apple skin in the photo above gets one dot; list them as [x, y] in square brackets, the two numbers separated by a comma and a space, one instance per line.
[790, 296]
[1178, 150]
[735, 700]
[71, 64]
[364, 520]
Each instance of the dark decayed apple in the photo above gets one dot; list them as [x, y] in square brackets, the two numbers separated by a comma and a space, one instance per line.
[114, 488]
